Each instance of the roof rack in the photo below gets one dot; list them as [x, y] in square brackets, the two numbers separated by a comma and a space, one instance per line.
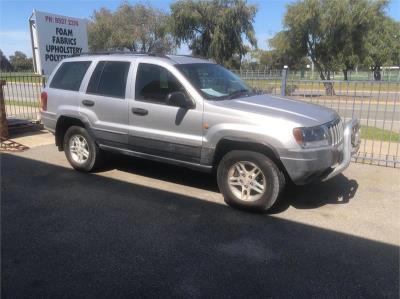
[192, 56]
[153, 54]
[120, 53]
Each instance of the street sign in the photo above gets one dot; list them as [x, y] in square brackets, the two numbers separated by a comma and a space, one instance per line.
[55, 37]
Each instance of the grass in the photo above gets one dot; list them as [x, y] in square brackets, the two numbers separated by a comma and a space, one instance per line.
[315, 85]
[373, 133]
[22, 103]
[21, 77]
[17, 74]
[391, 75]
[362, 87]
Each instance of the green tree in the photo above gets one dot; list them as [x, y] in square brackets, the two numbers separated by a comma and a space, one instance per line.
[355, 22]
[20, 62]
[283, 54]
[215, 29]
[139, 28]
[331, 33]
[265, 58]
[383, 45]
[100, 30]
[5, 65]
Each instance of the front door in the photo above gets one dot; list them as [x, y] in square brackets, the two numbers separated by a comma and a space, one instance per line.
[161, 129]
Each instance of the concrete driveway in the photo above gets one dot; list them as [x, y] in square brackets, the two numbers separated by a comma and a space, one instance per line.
[146, 230]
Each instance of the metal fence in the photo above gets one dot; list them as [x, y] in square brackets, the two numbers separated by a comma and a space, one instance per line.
[387, 74]
[375, 103]
[22, 96]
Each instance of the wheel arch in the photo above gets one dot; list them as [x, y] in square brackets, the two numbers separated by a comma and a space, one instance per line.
[64, 122]
[226, 145]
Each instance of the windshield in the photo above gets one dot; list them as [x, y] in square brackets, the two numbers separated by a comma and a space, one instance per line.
[214, 81]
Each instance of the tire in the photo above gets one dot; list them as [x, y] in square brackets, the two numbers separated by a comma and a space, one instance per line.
[92, 153]
[231, 180]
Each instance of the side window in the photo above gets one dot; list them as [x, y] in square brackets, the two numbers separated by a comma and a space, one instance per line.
[69, 76]
[154, 83]
[109, 79]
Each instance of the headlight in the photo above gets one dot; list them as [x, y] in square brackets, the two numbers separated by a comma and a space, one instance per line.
[312, 137]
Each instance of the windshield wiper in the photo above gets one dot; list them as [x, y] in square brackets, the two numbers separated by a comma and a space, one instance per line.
[239, 92]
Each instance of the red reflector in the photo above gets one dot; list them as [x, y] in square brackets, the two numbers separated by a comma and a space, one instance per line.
[43, 101]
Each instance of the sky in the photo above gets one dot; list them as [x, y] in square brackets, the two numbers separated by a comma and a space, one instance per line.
[14, 15]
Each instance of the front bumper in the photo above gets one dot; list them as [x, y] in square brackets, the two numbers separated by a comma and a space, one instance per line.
[351, 145]
[304, 166]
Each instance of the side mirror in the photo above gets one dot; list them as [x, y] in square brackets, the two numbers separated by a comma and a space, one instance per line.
[179, 99]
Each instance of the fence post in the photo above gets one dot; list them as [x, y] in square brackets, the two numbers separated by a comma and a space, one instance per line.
[43, 79]
[3, 118]
[283, 82]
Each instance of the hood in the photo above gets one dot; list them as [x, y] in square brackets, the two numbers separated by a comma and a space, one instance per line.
[305, 114]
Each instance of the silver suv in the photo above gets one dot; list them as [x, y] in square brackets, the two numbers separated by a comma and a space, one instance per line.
[195, 113]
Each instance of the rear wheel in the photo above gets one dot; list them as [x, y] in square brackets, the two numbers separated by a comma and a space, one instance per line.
[80, 149]
[249, 180]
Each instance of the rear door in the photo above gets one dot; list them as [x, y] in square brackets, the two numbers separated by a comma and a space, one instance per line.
[158, 128]
[104, 103]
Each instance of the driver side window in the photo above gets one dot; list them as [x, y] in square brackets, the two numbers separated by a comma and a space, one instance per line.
[154, 83]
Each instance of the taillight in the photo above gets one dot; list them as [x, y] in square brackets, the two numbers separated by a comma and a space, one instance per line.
[43, 101]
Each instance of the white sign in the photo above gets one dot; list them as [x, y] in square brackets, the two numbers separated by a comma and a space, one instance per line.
[54, 38]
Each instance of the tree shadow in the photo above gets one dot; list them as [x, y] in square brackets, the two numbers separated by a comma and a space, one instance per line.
[69, 234]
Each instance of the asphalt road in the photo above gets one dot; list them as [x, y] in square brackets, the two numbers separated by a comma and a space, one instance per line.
[382, 115]
[22, 91]
[146, 230]
[385, 114]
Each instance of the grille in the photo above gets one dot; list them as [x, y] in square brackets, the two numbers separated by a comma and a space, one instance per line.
[336, 132]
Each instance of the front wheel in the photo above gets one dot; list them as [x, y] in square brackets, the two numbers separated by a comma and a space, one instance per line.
[249, 180]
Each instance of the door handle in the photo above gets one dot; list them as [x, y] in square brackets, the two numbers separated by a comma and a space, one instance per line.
[88, 103]
[140, 111]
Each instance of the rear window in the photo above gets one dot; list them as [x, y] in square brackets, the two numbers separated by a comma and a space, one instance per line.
[69, 76]
[109, 79]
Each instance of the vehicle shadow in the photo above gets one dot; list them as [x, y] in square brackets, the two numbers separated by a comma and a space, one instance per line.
[338, 190]
[161, 171]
